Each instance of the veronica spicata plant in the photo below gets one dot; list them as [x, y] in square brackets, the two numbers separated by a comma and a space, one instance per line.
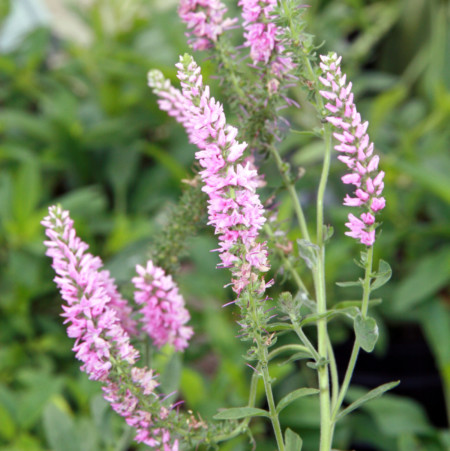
[274, 55]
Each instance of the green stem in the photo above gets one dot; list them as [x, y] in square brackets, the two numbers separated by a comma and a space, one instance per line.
[291, 190]
[356, 347]
[270, 400]
[299, 331]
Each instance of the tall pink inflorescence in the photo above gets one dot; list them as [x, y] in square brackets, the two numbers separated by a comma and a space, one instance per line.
[205, 20]
[93, 311]
[355, 149]
[234, 207]
[163, 314]
[261, 35]
[230, 181]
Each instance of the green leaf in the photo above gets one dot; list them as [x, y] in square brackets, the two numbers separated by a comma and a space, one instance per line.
[382, 276]
[356, 283]
[60, 429]
[171, 376]
[292, 440]
[347, 304]
[299, 393]
[295, 357]
[309, 252]
[7, 426]
[236, 413]
[429, 276]
[192, 387]
[372, 394]
[366, 331]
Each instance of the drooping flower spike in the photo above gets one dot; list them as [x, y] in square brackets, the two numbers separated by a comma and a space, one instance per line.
[355, 150]
[205, 20]
[93, 311]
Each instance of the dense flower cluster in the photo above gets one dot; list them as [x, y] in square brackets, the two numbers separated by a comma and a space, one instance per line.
[355, 149]
[93, 310]
[94, 325]
[204, 19]
[261, 35]
[234, 208]
[163, 313]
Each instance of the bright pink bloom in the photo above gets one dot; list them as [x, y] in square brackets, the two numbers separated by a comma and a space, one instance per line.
[235, 209]
[204, 19]
[96, 313]
[86, 289]
[163, 312]
[230, 180]
[355, 150]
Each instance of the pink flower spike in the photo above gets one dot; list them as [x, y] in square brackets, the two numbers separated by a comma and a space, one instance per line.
[355, 144]
[163, 312]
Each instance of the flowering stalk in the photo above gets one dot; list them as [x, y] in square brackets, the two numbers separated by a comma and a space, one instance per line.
[356, 151]
[102, 343]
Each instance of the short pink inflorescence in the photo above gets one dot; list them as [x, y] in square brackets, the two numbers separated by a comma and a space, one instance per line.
[96, 314]
[262, 35]
[355, 149]
[205, 20]
[163, 312]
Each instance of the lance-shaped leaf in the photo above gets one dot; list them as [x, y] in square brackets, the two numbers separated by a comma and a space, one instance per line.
[237, 413]
[372, 394]
[366, 331]
[299, 393]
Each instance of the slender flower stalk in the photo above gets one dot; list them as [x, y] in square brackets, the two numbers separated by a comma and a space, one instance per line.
[356, 151]
[163, 314]
[205, 20]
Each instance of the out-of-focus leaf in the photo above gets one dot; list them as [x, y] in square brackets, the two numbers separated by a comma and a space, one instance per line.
[293, 441]
[192, 387]
[372, 394]
[171, 376]
[60, 429]
[7, 425]
[430, 274]
[395, 415]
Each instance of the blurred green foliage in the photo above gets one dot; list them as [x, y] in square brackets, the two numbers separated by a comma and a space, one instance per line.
[79, 126]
